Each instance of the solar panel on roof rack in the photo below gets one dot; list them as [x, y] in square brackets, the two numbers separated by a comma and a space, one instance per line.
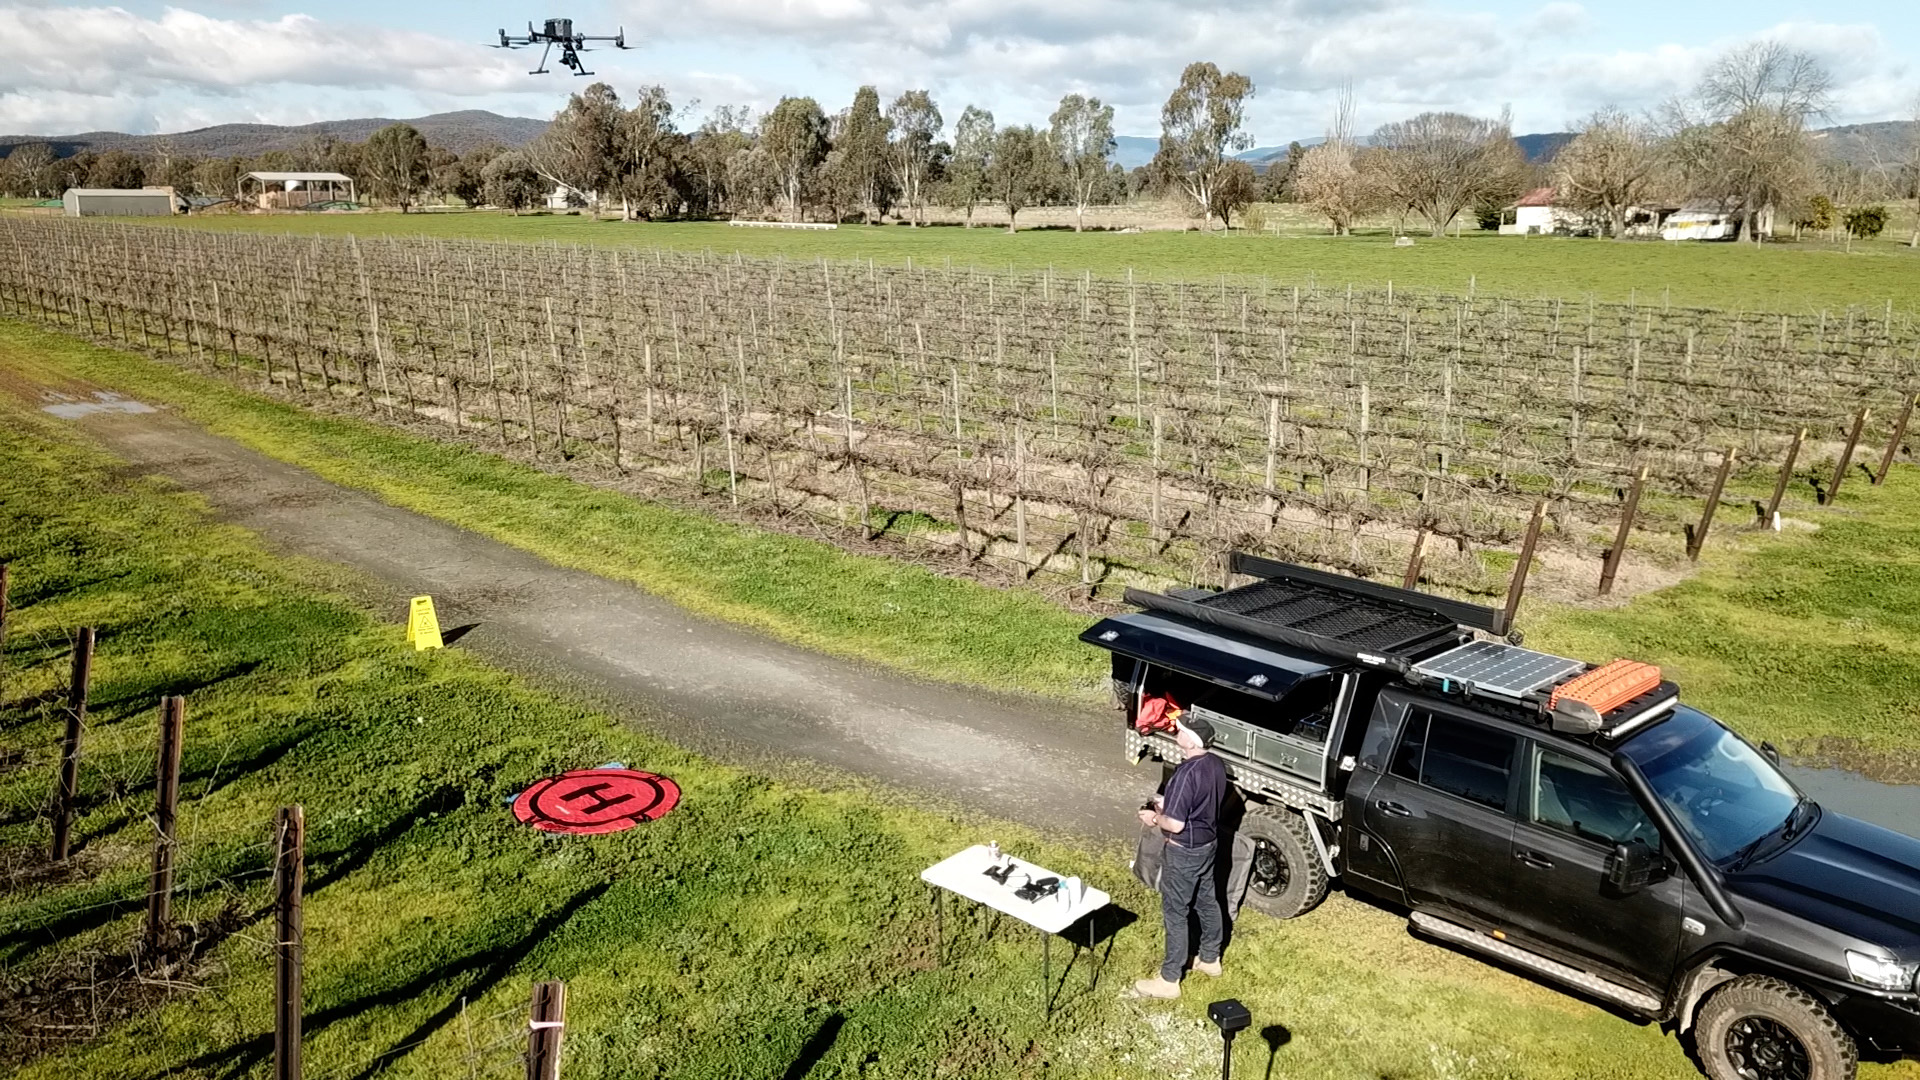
[1495, 668]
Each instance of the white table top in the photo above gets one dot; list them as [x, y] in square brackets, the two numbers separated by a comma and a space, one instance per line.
[965, 875]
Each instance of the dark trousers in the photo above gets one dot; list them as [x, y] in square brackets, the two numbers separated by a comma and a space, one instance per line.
[1189, 887]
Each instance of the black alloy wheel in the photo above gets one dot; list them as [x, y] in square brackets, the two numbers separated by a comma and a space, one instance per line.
[1270, 876]
[1760, 1048]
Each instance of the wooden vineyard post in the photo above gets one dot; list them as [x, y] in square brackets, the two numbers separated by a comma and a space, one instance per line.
[1020, 497]
[853, 462]
[1415, 561]
[1846, 456]
[69, 783]
[5, 573]
[289, 880]
[1611, 565]
[1699, 538]
[1893, 443]
[173, 718]
[1786, 476]
[547, 1023]
[1517, 585]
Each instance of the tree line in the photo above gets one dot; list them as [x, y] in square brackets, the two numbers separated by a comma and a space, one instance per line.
[1741, 141]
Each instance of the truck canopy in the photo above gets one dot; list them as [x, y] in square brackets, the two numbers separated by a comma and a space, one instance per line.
[1260, 668]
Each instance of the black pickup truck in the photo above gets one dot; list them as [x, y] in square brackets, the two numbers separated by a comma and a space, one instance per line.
[1635, 851]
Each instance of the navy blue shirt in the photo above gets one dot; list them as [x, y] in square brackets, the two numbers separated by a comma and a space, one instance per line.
[1194, 794]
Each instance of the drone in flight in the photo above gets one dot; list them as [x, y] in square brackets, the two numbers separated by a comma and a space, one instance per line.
[559, 32]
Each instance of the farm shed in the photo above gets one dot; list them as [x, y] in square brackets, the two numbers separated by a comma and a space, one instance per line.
[295, 190]
[1535, 214]
[118, 202]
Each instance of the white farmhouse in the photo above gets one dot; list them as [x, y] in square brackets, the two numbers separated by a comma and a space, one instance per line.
[1537, 215]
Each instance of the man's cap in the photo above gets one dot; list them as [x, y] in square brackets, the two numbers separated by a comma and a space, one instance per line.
[1199, 726]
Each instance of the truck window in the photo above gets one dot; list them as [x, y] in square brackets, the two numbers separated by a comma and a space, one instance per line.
[1581, 800]
[1456, 757]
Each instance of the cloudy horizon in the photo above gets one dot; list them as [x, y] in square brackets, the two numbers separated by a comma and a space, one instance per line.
[150, 68]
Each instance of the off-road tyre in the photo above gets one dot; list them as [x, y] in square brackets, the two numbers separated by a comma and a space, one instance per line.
[1743, 1029]
[1287, 879]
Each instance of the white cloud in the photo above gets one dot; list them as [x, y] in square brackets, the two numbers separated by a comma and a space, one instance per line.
[117, 68]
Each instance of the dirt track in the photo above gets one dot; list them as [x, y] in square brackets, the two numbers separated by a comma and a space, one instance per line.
[711, 687]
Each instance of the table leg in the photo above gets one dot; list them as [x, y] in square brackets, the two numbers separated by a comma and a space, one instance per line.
[939, 929]
[1046, 972]
[1093, 957]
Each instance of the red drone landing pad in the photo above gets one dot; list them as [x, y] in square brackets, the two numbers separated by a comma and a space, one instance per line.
[585, 802]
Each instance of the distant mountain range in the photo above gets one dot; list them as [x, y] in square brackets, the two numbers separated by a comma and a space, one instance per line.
[1861, 144]
[457, 131]
[1133, 151]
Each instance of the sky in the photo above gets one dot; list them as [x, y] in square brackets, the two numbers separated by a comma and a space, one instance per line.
[154, 67]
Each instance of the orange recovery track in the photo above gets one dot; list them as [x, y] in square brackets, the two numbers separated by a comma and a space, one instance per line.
[1608, 687]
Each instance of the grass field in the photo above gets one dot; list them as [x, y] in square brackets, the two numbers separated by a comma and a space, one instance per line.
[758, 931]
[1787, 277]
[1808, 638]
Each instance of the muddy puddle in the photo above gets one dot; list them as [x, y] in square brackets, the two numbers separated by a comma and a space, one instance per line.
[1895, 806]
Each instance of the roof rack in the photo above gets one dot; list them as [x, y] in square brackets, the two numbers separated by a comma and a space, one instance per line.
[1426, 640]
[1377, 625]
[1571, 696]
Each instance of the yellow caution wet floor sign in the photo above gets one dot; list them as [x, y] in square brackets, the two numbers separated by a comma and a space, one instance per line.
[423, 626]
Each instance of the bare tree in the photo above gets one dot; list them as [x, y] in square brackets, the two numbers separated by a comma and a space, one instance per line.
[795, 137]
[1748, 145]
[1909, 173]
[1612, 164]
[915, 120]
[1328, 177]
[1199, 127]
[1438, 164]
[972, 156]
[29, 169]
[1082, 137]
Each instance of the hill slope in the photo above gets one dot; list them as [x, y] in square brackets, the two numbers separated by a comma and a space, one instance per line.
[457, 131]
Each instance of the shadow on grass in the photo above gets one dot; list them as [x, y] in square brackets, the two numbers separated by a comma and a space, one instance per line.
[818, 1044]
[355, 855]
[486, 966]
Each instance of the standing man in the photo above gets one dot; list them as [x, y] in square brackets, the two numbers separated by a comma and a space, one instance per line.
[1188, 813]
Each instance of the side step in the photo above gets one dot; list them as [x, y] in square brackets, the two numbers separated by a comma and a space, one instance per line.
[1552, 969]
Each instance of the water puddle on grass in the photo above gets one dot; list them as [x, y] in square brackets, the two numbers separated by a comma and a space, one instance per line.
[1895, 806]
[104, 401]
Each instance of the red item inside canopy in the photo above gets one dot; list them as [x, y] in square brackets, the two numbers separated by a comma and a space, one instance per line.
[1157, 713]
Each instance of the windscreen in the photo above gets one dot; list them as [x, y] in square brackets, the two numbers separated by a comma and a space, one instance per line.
[1723, 793]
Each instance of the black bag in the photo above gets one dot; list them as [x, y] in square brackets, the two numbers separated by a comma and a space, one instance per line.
[1148, 852]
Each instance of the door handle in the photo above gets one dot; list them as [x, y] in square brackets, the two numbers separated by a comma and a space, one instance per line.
[1534, 859]
[1393, 808]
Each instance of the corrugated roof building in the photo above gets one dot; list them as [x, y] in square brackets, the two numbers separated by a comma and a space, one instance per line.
[118, 202]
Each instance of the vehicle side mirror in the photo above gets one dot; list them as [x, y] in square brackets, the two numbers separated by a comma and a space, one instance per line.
[1632, 867]
[1771, 752]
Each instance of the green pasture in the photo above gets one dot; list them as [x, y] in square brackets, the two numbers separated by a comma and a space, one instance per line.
[1791, 277]
[759, 931]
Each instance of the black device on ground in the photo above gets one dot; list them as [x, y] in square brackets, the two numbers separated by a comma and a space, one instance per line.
[1580, 823]
[1231, 1018]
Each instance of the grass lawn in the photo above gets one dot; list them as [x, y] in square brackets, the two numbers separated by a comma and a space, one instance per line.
[1810, 638]
[1785, 277]
[756, 926]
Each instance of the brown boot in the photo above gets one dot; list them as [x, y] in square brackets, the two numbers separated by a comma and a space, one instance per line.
[1156, 988]
[1208, 967]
